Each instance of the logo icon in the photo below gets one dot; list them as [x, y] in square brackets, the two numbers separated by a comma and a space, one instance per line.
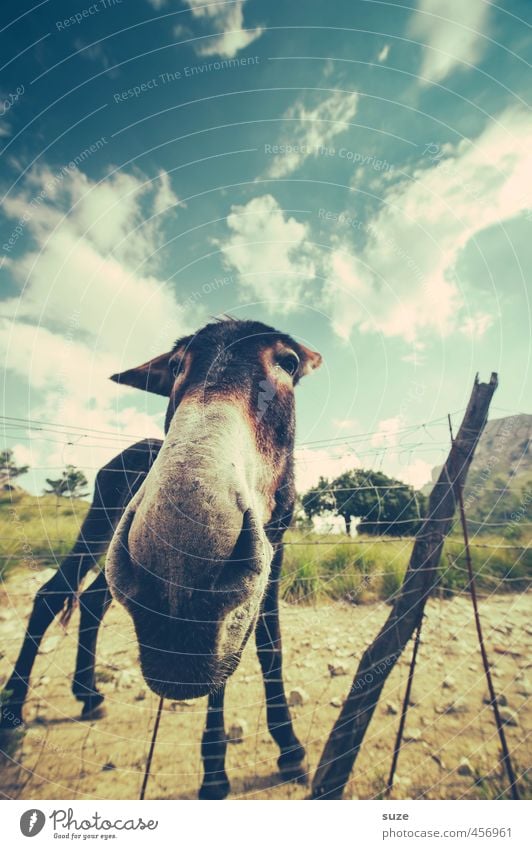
[32, 822]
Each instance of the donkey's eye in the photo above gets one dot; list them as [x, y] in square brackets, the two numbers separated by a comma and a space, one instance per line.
[289, 363]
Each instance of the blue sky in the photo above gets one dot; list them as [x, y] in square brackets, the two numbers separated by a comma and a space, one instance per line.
[355, 173]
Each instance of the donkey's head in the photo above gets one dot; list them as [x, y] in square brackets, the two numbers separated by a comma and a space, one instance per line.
[191, 556]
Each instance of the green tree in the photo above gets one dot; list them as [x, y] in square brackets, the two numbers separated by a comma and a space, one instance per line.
[318, 500]
[9, 469]
[384, 505]
[70, 484]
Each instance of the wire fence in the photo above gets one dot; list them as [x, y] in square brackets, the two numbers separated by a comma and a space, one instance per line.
[397, 545]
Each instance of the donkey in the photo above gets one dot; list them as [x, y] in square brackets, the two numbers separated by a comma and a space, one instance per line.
[195, 525]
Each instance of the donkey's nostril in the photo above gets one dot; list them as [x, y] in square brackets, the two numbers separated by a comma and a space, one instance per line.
[245, 558]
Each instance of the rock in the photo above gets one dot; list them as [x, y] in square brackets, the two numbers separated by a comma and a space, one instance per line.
[505, 650]
[141, 695]
[413, 735]
[449, 683]
[439, 761]
[458, 706]
[464, 767]
[49, 645]
[237, 731]
[126, 679]
[524, 687]
[391, 709]
[336, 702]
[336, 669]
[297, 697]
[500, 699]
[107, 767]
[508, 717]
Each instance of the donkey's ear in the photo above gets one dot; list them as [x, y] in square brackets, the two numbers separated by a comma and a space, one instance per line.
[310, 360]
[153, 376]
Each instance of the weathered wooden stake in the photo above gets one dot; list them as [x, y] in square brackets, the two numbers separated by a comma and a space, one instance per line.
[345, 739]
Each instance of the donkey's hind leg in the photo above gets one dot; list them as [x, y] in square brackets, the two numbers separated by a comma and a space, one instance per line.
[269, 649]
[56, 595]
[213, 746]
[93, 603]
[115, 483]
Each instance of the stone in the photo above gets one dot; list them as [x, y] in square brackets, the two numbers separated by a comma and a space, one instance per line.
[336, 702]
[508, 717]
[237, 731]
[336, 669]
[413, 735]
[126, 679]
[391, 709]
[464, 767]
[141, 695]
[449, 683]
[107, 767]
[500, 699]
[458, 706]
[524, 687]
[49, 645]
[297, 697]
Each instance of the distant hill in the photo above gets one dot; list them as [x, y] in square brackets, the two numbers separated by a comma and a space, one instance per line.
[499, 484]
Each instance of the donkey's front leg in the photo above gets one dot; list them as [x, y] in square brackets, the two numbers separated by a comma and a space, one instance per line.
[213, 747]
[93, 603]
[269, 648]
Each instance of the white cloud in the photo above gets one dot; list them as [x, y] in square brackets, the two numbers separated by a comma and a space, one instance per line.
[383, 54]
[313, 463]
[66, 381]
[165, 198]
[475, 326]
[93, 269]
[387, 432]
[345, 424]
[309, 129]
[402, 282]
[270, 252]
[226, 21]
[90, 304]
[452, 32]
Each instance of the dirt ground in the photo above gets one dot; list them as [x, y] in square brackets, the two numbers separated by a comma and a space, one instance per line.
[450, 750]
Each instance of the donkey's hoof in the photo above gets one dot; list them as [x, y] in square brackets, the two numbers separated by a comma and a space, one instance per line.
[214, 790]
[292, 766]
[93, 708]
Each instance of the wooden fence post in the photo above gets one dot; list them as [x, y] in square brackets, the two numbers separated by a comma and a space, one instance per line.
[345, 739]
